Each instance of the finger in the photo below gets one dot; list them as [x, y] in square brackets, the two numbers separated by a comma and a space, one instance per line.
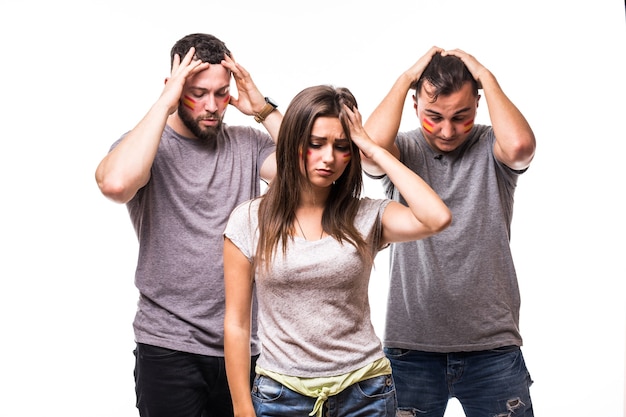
[188, 56]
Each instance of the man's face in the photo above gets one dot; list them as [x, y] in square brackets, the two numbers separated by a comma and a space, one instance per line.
[204, 101]
[447, 122]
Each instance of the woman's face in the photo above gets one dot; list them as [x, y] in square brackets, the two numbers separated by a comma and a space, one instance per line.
[327, 152]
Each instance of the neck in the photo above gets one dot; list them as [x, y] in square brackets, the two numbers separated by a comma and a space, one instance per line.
[313, 198]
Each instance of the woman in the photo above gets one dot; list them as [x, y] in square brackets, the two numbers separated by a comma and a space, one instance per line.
[308, 246]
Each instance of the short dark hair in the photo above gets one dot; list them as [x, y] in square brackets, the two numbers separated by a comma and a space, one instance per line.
[447, 74]
[208, 48]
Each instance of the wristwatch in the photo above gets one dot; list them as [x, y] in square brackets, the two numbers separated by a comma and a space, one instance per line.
[270, 106]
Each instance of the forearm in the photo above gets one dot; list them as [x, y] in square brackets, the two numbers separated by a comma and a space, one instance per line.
[383, 124]
[237, 357]
[272, 124]
[425, 204]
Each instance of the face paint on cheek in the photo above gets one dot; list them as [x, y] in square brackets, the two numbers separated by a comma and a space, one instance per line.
[347, 157]
[467, 126]
[227, 99]
[189, 102]
[427, 125]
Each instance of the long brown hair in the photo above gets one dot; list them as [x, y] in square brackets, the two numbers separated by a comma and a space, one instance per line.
[279, 203]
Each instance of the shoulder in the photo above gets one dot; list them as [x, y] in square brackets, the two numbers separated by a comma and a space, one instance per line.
[408, 137]
[244, 133]
[248, 208]
[410, 144]
[242, 221]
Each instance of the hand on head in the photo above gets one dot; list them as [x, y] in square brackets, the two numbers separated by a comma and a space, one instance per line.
[181, 70]
[249, 97]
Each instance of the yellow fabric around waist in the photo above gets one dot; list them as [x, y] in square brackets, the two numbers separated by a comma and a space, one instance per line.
[324, 387]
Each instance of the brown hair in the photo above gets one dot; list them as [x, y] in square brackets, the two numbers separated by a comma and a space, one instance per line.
[447, 74]
[278, 205]
[208, 48]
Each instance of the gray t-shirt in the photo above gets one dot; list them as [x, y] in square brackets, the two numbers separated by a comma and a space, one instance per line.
[457, 290]
[314, 313]
[179, 218]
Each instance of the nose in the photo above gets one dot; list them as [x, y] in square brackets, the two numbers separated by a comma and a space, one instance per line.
[328, 154]
[210, 104]
[447, 129]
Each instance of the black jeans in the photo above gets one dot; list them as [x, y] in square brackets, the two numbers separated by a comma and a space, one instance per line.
[169, 383]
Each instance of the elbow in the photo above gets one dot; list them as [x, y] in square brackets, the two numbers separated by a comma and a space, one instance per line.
[115, 191]
[521, 153]
[443, 221]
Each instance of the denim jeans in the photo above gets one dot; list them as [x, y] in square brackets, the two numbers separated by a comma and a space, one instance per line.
[169, 383]
[374, 397]
[486, 383]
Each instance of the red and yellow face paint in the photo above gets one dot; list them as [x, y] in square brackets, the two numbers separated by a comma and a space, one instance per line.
[189, 102]
[467, 126]
[347, 157]
[428, 125]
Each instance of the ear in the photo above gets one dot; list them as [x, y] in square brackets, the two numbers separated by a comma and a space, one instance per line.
[477, 99]
[414, 101]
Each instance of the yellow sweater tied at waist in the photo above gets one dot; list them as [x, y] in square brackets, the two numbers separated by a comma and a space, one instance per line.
[324, 387]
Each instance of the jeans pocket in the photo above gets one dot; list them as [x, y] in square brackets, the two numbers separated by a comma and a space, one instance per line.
[395, 352]
[266, 389]
[377, 386]
[154, 352]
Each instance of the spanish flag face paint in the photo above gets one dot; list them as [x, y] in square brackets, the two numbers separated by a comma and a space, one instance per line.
[189, 102]
[227, 99]
[467, 126]
[347, 157]
[427, 125]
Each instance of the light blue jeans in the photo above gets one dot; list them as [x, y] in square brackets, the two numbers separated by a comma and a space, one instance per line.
[492, 383]
[374, 397]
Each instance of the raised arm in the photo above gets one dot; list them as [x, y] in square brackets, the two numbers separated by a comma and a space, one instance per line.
[237, 324]
[250, 101]
[125, 169]
[426, 213]
[384, 122]
[515, 141]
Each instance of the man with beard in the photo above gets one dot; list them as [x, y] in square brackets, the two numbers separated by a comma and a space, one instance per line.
[180, 171]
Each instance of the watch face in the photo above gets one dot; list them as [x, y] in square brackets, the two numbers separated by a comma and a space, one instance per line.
[270, 101]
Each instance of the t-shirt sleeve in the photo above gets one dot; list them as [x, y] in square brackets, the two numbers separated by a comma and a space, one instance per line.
[369, 220]
[241, 228]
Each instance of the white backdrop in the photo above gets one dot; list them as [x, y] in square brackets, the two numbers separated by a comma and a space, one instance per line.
[75, 75]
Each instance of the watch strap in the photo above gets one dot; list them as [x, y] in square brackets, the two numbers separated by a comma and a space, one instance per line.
[265, 111]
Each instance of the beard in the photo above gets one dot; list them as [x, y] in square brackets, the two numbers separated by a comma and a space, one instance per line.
[205, 134]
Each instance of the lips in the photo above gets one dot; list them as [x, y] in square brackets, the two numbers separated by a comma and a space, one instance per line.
[324, 172]
[209, 121]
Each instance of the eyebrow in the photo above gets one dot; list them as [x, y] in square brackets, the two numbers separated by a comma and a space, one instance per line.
[434, 113]
[313, 137]
[206, 90]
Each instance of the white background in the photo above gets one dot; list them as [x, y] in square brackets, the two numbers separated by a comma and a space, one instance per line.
[75, 75]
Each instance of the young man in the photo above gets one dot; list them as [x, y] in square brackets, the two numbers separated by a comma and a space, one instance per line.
[180, 172]
[452, 325]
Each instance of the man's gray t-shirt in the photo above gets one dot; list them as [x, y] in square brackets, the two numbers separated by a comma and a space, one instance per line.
[456, 290]
[179, 218]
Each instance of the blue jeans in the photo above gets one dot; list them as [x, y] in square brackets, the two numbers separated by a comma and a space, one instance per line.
[169, 383]
[486, 383]
[374, 397]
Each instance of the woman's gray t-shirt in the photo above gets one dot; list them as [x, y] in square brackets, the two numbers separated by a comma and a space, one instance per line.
[314, 313]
